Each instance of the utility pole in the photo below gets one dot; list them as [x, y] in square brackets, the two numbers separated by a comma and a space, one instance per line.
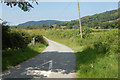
[79, 19]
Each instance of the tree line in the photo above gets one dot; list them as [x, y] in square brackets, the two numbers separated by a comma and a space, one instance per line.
[105, 20]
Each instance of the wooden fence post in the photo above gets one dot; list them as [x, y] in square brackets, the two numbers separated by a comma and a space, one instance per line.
[33, 41]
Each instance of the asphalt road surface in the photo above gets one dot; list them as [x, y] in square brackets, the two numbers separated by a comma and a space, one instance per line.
[56, 61]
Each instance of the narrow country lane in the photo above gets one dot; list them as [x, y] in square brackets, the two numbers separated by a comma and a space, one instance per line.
[56, 61]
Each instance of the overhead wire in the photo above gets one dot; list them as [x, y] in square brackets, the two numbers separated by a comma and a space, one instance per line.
[64, 10]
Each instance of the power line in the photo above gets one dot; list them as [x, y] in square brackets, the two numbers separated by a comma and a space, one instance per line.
[65, 9]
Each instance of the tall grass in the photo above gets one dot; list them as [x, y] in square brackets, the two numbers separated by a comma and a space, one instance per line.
[96, 53]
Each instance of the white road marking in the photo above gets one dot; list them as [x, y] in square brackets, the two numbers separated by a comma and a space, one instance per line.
[32, 72]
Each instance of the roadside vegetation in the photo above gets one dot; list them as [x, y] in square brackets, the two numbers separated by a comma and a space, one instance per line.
[17, 46]
[96, 53]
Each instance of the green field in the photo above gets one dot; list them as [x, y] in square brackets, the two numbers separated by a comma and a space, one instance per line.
[96, 53]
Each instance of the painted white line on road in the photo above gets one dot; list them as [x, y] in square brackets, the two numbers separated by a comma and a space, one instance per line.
[32, 71]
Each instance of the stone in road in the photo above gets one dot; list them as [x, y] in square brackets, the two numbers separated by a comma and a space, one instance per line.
[56, 61]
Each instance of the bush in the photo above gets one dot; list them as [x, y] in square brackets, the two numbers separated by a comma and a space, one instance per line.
[14, 39]
[69, 33]
[85, 32]
[19, 39]
[108, 43]
[5, 37]
[39, 38]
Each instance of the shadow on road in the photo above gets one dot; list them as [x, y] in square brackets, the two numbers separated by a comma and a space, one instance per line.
[63, 63]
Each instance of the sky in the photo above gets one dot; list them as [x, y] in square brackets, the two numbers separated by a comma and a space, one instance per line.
[63, 11]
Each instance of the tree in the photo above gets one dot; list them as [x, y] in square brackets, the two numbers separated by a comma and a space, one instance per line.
[24, 5]
[51, 26]
[43, 25]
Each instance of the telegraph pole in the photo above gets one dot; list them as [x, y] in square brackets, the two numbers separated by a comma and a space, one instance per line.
[79, 19]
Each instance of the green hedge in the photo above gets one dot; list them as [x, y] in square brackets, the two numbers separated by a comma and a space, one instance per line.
[13, 39]
[39, 39]
[18, 38]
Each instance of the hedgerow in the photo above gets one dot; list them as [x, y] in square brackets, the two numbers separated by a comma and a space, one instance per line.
[19, 38]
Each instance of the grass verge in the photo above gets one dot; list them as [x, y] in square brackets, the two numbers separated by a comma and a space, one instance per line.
[92, 62]
[11, 58]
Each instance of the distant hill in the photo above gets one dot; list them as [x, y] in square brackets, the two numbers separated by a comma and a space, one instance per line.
[40, 23]
[105, 20]
[108, 19]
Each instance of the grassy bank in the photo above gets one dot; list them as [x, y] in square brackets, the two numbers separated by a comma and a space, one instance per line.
[17, 46]
[11, 58]
[96, 54]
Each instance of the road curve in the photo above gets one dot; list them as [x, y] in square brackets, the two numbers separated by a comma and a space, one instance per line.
[56, 61]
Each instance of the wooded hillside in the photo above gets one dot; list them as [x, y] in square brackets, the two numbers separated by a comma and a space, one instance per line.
[108, 19]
